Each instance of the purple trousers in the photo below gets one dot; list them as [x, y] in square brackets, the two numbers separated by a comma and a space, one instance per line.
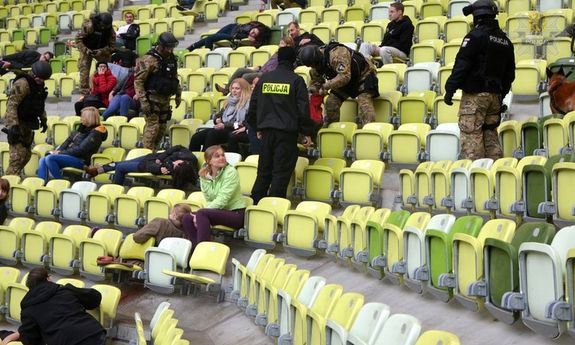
[206, 218]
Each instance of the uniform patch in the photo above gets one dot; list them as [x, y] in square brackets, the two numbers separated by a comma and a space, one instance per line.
[340, 67]
[276, 88]
[465, 41]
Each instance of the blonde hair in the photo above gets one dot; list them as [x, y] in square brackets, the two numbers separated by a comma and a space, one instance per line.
[208, 156]
[93, 116]
[181, 210]
[245, 94]
[288, 40]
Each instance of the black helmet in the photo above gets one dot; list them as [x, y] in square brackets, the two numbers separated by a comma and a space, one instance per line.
[105, 20]
[481, 8]
[168, 40]
[42, 69]
[310, 55]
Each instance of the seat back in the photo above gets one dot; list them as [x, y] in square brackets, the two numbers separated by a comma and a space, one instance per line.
[109, 304]
[72, 200]
[369, 321]
[210, 256]
[399, 329]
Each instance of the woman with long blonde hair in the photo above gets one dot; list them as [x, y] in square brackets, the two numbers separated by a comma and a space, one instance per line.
[220, 184]
[229, 121]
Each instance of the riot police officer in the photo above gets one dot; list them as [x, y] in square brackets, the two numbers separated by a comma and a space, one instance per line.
[346, 73]
[156, 80]
[96, 40]
[484, 70]
[25, 113]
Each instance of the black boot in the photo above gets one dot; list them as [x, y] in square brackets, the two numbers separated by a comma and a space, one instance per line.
[192, 47]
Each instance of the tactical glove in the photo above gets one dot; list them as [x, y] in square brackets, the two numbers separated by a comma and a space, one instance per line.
[44, 124]
[14, 134]
[448, 98]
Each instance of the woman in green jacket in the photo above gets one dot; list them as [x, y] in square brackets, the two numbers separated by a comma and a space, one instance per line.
[220, 184]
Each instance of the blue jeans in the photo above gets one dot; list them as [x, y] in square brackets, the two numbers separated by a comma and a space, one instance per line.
[123, 168]
[123, 103]
[224, 33]
[52, 164]
[187, 3]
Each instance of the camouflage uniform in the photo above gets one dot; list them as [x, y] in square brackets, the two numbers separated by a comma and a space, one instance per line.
[87, 54]
[475, 111]
[340, 61]
[20, 152]
[154, 106]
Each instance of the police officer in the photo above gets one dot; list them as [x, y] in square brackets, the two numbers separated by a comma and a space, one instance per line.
[156, 80]
[346, 73]
[96, 40]
[484, 69]
[24, 113]
[279, 109]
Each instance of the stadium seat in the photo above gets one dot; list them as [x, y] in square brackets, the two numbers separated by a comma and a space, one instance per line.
[433, 337]
[264, 221]
[128, 207]
[321, 180]
[371, 141]
[341, 316]
[106, 312]
[336, 234]
[21, 195]
[15, 292]
[302, 227]
[460, 193]
[369, 321]
[72, 200]
[541, 296]
[11, 235]
[361, 183]
[482, 183]
[207, 267]
[161, 205]
[105, 242]
[256, 294]
[442, 143]
[399, 329]
[406, 144]
[129, 250]
[171, 254]
[34, 243]
[64, 248]
[242, 274]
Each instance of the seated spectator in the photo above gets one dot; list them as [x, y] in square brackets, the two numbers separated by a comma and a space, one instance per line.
[126, 35]
[56, 314]
[302, 39]
[397, 39]
[4, 194]
[249, 74]
[121, 99]
[257, 33]
[220, 184]
[22, 59]
[103, 82]
[229, 122]
[78, 149]
[176, 161]
[160, 228]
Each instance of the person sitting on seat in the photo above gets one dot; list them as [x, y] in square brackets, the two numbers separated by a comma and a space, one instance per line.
[127, 34]
[176, 161]
[257, 33]
[397, 39]
[220, 185]
[229, 124]
[103, 83]
[160, 228]
[122, 100]
[77, 150]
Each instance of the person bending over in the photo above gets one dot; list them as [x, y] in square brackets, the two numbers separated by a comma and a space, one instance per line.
[220, 185]
[56, 314]
[160, 228]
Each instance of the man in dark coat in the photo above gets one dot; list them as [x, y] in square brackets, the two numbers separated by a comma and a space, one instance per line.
[22, 59]
[56, 315]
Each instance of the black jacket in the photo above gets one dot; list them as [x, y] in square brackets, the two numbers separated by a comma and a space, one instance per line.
[313, 40]
[84, 142]
[242, 31]
[167, 158]
[56, 315]
[22, 59]
[399, 34]
[485, 62]
[280, 101]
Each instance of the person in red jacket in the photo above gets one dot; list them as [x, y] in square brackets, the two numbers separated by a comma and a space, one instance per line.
[103, 83]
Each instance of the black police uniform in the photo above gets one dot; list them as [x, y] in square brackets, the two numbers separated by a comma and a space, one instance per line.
[279, 109]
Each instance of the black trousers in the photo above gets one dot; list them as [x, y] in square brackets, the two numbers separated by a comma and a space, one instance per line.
[208, 137]
[278, 157]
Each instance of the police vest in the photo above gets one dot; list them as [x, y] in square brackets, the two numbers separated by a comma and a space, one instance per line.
[491, 64]
[165, 80]
[32, 106]
[358, 64]
[97, 39]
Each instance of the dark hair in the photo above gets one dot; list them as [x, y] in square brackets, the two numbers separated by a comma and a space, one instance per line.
[398, 6]
[186, 172]
[5, 186]
[50, 54]
[36, 276]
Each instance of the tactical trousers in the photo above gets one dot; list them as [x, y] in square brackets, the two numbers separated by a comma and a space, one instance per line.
[477, 111]
[157, 115]
[19, 157]
[334, 102]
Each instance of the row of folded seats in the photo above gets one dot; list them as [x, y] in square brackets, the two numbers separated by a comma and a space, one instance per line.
[534, 187]
[298, 308]
[77, 248]
[162, 328]
[496, 264]
[13, 288]
[20, 8]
